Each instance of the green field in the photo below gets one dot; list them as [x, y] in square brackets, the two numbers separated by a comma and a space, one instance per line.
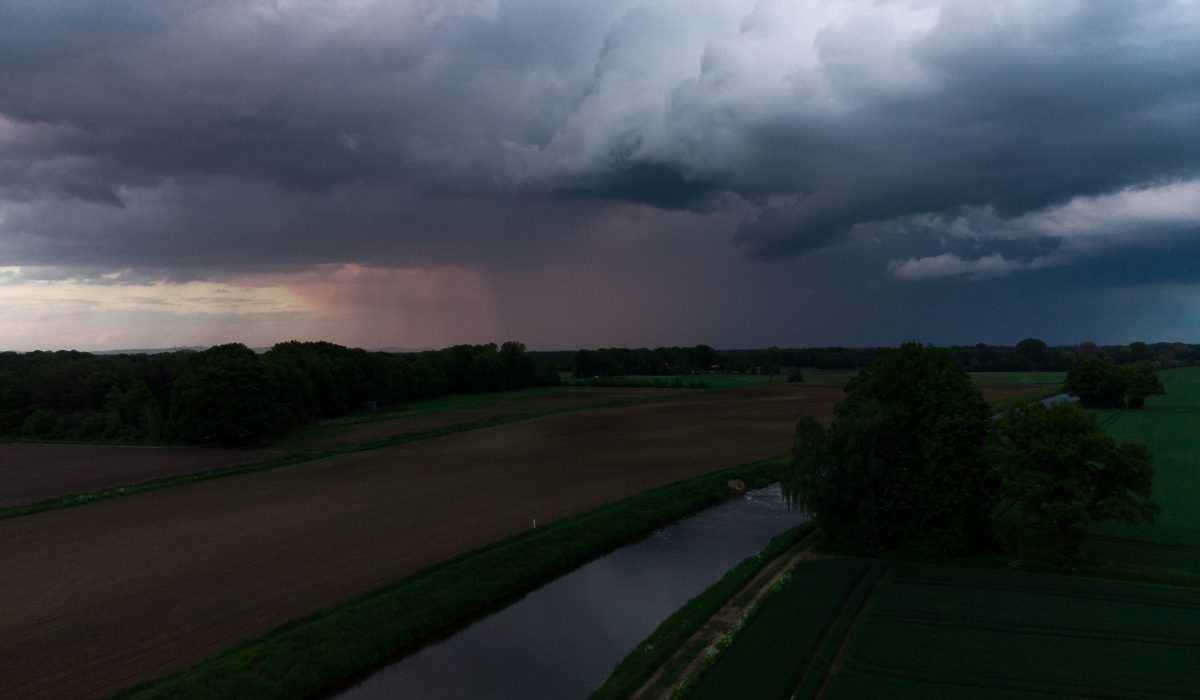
[1017, 378]
[701, 381]
[907, 630]
[1170, 425]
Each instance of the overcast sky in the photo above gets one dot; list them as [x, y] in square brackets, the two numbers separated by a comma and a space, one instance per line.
[598, 172]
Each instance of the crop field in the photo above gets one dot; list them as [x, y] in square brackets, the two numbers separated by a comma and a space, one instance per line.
[860, 628]
[1170, 425]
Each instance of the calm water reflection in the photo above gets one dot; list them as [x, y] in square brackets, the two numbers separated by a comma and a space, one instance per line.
[562, 640]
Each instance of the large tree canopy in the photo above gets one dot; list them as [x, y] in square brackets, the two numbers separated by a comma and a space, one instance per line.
[903, 461]
[1063, 470]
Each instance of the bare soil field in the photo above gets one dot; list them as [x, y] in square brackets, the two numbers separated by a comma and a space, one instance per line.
[34, 472]
[567, 398]
[100, 596]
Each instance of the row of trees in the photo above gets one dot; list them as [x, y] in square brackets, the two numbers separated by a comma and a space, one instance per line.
[914, 459]
[1030, 354]
[229, 393]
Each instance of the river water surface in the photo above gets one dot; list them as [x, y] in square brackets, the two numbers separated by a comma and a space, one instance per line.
[562, 640]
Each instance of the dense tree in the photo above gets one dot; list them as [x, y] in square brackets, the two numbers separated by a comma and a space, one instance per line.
[1035, 352]
[226, 395]
[1140, 381]
[1100, 384]
[907, 446]
[1064, 470]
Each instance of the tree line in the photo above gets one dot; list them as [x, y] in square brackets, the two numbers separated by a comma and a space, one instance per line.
[1030, 354]
[232, 394]
[916, 459]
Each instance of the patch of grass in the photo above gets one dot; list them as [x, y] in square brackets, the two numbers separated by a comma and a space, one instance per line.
[449, 402]
[319, 651]
[639, 382]
[1017, 378]
[652, 652]
[774, 652]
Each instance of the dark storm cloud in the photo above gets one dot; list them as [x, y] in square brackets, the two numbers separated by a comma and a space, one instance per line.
[242, 134]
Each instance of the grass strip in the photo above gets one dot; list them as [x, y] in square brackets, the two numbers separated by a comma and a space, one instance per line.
[291, 458]
[438, 404]
[636, 668]
[329, 647]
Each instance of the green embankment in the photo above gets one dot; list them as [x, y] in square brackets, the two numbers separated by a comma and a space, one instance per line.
[319, 651]
[656, 649]
[933, 631]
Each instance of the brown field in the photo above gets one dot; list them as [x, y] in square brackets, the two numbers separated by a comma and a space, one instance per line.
[35, 472]
[100, 596]
[30, 473]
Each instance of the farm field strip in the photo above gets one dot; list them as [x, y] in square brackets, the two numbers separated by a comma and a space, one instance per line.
[37, 477]
[779, 648]
[935, 631]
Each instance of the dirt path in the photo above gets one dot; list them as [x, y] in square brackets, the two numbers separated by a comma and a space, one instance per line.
[659, 687]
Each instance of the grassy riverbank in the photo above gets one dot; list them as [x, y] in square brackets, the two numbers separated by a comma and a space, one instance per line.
[314, 653]
[652, 652]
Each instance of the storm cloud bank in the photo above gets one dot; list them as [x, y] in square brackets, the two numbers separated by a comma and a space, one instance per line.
[194, 139]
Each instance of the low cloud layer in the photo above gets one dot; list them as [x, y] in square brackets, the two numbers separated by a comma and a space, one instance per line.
[934, 139]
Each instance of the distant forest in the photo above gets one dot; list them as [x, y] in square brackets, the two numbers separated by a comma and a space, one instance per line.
[1030, 354]
[231, 394]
